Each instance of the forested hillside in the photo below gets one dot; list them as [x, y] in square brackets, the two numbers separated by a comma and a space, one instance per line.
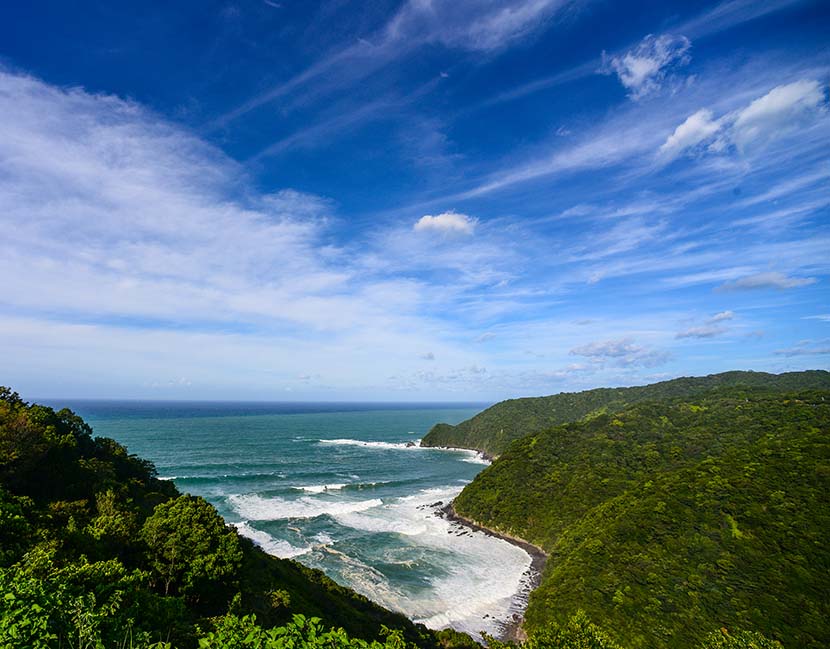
[670, 518]
[492, 430]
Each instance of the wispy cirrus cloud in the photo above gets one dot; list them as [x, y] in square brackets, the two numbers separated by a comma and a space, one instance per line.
[487, 26]
[721, 317]
[707, 331]
[767, 280]
[711, 21]
[730, 14]
[806, 348]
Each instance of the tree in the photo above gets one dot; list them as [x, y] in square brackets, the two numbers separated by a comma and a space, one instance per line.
[190, 548]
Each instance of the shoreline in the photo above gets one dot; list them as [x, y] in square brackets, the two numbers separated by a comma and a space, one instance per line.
[533, 576]
[484, 455]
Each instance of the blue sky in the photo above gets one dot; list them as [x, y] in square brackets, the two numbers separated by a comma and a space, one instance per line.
[418, 200]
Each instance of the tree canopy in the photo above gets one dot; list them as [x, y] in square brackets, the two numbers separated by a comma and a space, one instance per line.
[492, 430]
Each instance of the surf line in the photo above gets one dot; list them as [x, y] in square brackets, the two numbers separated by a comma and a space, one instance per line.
[512, 630]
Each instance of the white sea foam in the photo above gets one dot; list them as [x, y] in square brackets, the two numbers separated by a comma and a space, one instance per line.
[277, 547]
[408, 446]
[477, 459]
[257, 508]
[323, 538]
[365, 579]
[320, 488]
[481, 575]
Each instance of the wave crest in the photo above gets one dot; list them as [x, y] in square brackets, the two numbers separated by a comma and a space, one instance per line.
[277, 547]
[257, 508]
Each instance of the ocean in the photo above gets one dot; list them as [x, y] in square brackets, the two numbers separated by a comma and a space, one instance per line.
[340, 487]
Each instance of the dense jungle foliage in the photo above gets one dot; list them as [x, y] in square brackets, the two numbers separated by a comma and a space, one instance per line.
[669, 519]
[492, 430]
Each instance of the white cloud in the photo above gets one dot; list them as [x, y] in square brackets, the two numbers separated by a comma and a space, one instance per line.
[722, 316]
[781, 110]
[446, 223]
[622, 352]
[480, 26]
[804, 348]
[767, 280]
[476, 25]
[701, 332]
[697, 128]
[729, 13]
[643, 69]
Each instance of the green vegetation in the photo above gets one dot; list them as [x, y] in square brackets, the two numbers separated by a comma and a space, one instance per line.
[580, 633]
[493, 429]
[95, 551]
[670, 524]
[671, 518]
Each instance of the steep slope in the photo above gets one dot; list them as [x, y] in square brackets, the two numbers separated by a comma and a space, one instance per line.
[670, 519]
[493, 429]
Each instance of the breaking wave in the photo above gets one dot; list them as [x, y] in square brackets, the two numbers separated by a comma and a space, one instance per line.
[412, 445]
[256, 508]
[277, 547]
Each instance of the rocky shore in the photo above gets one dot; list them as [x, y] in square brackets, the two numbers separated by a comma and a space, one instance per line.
[513, 628]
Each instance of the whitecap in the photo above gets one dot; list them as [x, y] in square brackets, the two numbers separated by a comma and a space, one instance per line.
[277, 547]
[320, 488]
[257, 508]
[323, 538]
[412, 445]
[477, 459]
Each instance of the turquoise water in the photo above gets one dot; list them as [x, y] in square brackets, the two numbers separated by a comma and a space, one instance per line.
[340, 487]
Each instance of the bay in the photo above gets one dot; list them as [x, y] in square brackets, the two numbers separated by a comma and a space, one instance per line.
[340, 487]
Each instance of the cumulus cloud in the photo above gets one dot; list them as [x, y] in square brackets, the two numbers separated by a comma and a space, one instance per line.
[622, 352]
[644, 69]
[446, 223]
[782, 110]
[701, 332]
[768, 280]
[698, 127]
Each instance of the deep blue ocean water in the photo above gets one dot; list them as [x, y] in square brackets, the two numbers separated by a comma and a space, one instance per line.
[340, 487]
